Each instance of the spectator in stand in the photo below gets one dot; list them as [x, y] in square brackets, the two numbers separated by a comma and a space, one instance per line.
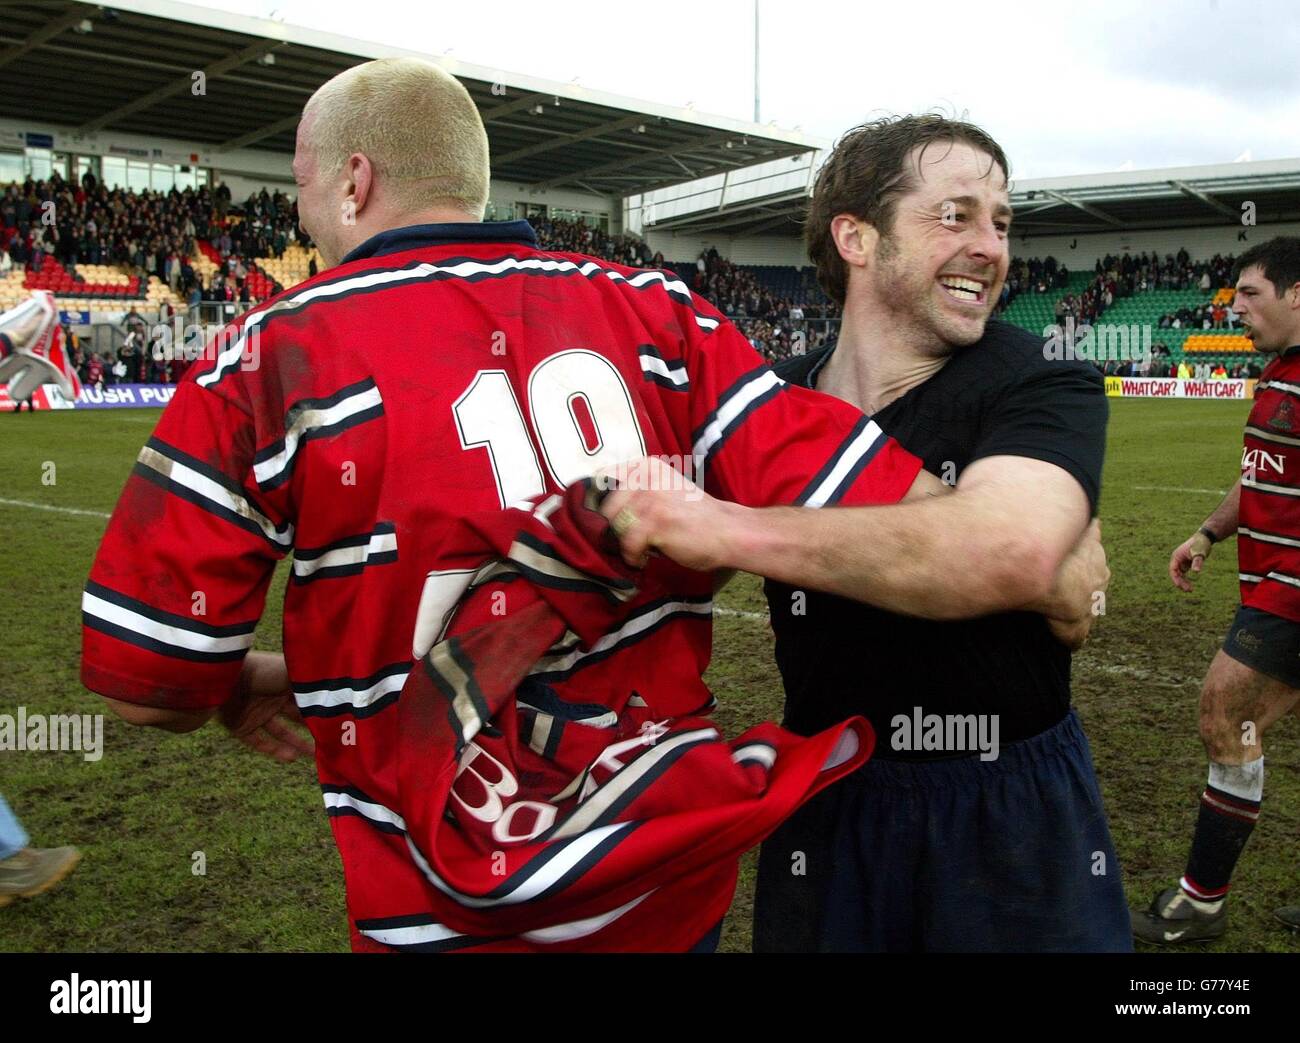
[1219, 372]
[94, 376]
[1184, 372]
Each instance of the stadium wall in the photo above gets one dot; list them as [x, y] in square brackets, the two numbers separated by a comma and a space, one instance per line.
[1083, 251]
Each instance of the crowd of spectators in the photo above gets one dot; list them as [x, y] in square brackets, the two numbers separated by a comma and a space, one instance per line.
[147, 233]
[562, 236]
[1202, 317]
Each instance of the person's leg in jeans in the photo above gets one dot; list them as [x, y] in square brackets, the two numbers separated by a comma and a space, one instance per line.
[28, 871]
[13, 838]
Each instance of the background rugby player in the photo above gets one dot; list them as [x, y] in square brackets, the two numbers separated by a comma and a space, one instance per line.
[1255, 678]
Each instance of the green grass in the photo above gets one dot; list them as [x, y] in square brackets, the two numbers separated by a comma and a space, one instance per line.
[273, 878]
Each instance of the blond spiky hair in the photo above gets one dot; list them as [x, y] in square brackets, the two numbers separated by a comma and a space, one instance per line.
[417, 125]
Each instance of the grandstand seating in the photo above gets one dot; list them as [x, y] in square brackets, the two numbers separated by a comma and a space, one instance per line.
[292, 267]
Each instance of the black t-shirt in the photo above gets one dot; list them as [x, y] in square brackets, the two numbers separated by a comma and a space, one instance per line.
[998, 397]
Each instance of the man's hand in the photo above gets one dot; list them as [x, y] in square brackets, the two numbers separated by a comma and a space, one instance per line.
[661, 511]
[1189, 557]
[263, 714]
[1069, 605]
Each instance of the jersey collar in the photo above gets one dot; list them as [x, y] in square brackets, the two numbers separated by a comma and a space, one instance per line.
[412, 237]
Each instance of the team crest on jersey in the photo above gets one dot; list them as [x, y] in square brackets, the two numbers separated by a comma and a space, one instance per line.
[1284, 418]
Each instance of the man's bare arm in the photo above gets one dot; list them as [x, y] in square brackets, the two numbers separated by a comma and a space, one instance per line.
[1190, 555]
[994, 545]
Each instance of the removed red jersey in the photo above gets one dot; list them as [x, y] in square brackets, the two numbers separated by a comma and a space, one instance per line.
[439, 371]
[541, 824]
[1268, 533]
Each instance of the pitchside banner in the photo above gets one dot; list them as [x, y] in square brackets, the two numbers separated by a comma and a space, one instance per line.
[1171, 387]
[116, 396]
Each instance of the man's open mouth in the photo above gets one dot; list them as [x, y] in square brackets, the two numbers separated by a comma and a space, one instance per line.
[959, 288]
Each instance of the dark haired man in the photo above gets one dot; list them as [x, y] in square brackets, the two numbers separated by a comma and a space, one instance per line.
[930, 846]
[1254, 679]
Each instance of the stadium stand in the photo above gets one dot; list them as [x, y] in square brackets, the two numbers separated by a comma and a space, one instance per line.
[106, 250]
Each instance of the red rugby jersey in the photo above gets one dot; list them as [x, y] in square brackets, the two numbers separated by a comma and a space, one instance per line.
[1268, 532]
[439, 370]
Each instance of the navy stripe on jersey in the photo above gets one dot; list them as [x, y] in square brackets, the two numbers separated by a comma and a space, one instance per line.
[640, 625]
[628, 783]
[358, 696]
[844, 468]
[667, 373]
[343, 801]
[165, 633]
[451, 673]
[747, 394]
[536, 561]
[547, 873]
[315, 418]
[467, 269]
[346, 557]
[203, 485]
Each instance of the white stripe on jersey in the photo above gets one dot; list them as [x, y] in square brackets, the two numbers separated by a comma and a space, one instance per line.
[350, 699]
[759, 384]
[1282, 577]
[1269, 436]
[341, 557]
[307, 421]
[848, 459]
[535, 884]
[1248, 577]
[1264, 385]
[417, 934]
[169, 634]
[654, 364]
[213, 492]
[229, 358]
[633, 626]
[599, 802]
[761, 752]
[1267, 487]
[565, 932]
[423, 934]
[367, 809]
[1264, 537]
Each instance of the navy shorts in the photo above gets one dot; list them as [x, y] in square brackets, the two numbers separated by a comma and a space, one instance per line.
[1266, 643]
[1008, 855]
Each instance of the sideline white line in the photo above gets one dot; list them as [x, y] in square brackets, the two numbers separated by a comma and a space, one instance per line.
[1179, 489]
[49, 507]
[737, 613]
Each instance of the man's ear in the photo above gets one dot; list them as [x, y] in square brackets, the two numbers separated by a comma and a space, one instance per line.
[855, 239]
[361, 180]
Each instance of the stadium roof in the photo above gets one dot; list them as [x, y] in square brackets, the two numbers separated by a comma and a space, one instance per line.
[1175, 197]
[130, 68]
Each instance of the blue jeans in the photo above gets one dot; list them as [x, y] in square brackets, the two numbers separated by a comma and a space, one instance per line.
[13, 838]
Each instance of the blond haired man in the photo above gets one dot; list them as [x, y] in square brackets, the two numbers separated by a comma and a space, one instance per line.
[436, 367]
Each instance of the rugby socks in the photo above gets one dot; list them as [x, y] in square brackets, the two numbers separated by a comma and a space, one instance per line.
[1229, 810]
